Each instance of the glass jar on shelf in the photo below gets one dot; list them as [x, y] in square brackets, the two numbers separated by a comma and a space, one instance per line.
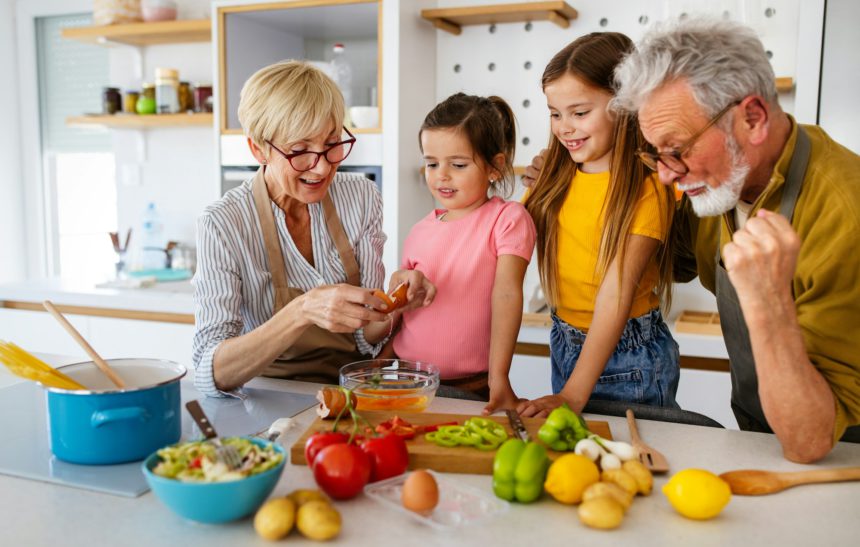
[186, 99]
[202, 98]
[111, 100]
[129, 101]
[146, 101]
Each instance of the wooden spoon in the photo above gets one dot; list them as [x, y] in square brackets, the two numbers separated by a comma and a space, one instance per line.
[101, 363]
[754, 482]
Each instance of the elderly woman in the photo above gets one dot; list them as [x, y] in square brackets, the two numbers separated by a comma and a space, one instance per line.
[283, 258]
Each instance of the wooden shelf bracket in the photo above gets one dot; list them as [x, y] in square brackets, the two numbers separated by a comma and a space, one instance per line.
[453, 19]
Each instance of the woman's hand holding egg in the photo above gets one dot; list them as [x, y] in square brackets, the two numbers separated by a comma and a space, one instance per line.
[340, 308]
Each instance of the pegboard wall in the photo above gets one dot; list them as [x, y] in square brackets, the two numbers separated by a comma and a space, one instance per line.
[508, 59]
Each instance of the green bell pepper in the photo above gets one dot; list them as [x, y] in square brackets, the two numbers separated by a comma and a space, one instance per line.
[562, 429]
[519, 471]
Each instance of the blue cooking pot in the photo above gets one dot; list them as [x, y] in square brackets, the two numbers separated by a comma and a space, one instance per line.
[106, 425]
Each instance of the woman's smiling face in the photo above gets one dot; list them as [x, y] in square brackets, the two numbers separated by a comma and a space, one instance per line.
[580, 120]
[304, 186]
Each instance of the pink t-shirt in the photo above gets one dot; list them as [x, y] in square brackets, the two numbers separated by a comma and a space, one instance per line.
[460, 258]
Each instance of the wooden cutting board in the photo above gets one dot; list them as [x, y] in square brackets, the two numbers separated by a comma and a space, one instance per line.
[426, 455]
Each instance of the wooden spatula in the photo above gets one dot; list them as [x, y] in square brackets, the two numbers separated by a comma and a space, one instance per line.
[649, 456]
[755, 482]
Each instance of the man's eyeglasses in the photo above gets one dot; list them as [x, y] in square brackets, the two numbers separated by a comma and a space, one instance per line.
[673, 160]
[308, 159]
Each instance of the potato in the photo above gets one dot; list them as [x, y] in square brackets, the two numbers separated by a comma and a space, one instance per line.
[604, 513]
[610, 489]
[318, 520]
[275, 519]
[302, 496]
[622, 478]
[643, 477]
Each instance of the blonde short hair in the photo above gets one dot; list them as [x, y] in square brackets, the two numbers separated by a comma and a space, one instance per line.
[288, 101]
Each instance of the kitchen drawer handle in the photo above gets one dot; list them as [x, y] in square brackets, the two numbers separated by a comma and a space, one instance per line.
[104, 417]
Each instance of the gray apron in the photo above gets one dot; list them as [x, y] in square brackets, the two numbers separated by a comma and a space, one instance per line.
[746, 404]
[318, 354]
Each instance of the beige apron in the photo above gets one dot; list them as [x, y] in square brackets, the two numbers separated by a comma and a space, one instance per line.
[318, 354]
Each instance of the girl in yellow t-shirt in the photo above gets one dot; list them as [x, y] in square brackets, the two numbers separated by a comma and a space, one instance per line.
[603, 255]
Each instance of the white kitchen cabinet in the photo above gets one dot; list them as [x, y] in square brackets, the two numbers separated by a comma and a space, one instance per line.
[530, 376]
[705, 392]
[38, 332]
[135, 338]
[709, 393]
[256, 35]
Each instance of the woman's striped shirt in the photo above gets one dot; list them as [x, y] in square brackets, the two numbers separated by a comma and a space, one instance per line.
[233, 291]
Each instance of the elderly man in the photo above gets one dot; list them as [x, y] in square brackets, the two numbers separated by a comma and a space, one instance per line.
[782, 202]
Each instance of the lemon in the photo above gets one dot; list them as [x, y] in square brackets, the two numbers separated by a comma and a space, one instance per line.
[697, 494]
[569, 476]
[275, 518]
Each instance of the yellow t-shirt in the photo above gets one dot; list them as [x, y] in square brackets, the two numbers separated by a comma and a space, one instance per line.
[580, 224]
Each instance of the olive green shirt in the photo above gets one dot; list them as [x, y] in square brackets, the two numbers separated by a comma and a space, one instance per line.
[826, 283]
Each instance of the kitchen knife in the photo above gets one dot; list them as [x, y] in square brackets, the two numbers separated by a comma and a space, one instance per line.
[517, 425]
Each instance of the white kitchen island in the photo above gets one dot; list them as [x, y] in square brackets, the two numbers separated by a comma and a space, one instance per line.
[41, 514]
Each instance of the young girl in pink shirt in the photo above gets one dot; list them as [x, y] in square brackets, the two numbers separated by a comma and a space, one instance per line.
[475, 249]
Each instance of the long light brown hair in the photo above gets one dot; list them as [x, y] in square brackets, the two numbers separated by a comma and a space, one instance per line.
[592, 59]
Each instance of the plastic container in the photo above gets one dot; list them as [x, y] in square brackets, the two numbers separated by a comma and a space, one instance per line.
[342, 72]
[152, 243]
[167, 90]
[391, 384]
[459, 505]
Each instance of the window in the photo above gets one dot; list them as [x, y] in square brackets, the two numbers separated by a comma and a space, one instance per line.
[77, 163]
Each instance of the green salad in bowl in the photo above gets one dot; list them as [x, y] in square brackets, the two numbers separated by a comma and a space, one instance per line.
[195, 461]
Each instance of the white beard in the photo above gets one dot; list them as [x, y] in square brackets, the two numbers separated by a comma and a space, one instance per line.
[716, 201]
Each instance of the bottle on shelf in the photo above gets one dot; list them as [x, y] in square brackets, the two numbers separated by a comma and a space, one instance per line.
[342, 73]
[166, 90]
[152, 242]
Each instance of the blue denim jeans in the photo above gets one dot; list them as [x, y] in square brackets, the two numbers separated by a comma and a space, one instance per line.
[643, 369]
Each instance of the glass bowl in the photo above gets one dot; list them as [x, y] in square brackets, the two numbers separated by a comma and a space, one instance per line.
[391, 384]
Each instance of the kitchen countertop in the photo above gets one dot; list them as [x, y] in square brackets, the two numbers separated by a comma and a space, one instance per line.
[176, 297]
[34, 513]
[169, 297]
[536, 326]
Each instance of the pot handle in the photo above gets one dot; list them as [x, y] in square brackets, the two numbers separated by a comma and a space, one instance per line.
[104, 417]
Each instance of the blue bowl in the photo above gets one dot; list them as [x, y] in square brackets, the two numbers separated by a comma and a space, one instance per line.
[215, 502]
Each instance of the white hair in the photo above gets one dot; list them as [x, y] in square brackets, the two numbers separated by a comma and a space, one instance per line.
[721, 60]
[716, 201]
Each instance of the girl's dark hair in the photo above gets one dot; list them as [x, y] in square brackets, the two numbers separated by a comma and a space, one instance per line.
[592, 60]
[488, 124]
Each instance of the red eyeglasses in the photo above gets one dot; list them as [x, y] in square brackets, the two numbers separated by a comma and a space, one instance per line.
[308, 159]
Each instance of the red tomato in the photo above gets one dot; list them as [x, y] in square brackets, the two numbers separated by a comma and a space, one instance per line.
[342, 470]
[318, 441]
[388, 456]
